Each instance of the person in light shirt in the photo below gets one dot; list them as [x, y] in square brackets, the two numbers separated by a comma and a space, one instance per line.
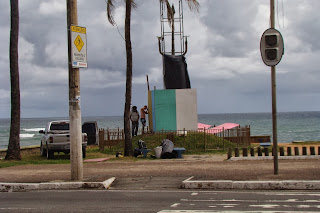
[134, 117]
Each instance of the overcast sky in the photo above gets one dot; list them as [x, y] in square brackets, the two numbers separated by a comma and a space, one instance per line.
[224, 61]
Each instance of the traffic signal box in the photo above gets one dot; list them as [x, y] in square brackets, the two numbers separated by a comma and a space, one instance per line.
[271, 47]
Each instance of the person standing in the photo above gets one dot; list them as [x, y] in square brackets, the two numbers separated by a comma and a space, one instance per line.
[143, 112]
[134, 117]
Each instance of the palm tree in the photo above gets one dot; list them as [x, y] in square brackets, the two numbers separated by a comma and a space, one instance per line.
[193, 4]
[110, 12]
[13, 152]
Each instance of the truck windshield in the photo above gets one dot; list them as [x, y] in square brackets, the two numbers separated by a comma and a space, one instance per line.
[59, 126]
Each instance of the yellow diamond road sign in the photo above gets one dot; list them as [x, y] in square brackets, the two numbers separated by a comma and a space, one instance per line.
[79, 43]
[79, 47]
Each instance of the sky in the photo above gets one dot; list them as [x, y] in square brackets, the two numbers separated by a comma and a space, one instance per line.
[224, 61]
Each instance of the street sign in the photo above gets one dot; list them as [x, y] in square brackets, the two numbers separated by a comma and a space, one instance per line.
[79, 47]
[271, 47]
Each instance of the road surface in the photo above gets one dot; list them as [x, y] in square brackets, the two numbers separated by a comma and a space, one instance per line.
[160, 201]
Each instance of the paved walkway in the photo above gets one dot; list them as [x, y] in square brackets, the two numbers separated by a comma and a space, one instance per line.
[171, 174]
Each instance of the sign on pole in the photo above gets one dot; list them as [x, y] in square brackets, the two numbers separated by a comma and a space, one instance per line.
[79, 47]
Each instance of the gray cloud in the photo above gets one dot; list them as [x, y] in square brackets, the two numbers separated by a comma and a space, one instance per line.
[223, 56]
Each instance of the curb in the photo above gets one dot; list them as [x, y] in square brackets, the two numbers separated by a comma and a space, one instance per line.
[253, 185]
[300, 157]
[23, 187]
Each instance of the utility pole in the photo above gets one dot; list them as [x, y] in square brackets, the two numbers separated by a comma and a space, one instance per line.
[274, 99]
[74, 101]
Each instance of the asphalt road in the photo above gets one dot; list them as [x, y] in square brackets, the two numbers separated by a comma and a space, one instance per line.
[160, 201]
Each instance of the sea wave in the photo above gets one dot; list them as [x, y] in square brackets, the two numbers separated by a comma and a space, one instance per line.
[27, 135]
[32, 129]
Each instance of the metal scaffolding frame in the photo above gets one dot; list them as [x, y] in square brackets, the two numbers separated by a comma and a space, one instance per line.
[170, 31]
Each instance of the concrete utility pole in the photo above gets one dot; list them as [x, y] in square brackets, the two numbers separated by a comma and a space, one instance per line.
[74, 102]
[274, 99]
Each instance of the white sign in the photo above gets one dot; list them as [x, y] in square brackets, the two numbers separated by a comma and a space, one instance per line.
[79, 47]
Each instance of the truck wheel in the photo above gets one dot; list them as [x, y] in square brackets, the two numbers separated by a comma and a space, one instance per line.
[42, 151]
[84, 152]
[50, 153]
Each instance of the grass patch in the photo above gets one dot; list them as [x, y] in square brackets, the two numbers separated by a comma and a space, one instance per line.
[195, 143]
[32, 156]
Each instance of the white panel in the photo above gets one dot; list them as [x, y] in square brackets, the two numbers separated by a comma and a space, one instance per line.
[186, 106]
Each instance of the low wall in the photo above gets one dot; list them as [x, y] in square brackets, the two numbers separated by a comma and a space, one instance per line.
[260, 139]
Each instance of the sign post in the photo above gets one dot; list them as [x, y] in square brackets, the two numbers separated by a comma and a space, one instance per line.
[271, 48]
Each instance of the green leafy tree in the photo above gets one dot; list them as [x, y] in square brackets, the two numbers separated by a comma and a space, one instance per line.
[13, 151]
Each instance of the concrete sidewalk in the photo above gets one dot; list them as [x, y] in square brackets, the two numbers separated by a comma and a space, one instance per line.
[21, 187]
[209, 171]
[164, 184]
[252, 185]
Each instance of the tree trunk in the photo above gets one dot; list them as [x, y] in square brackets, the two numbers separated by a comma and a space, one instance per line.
[127, 132]
[13, 152]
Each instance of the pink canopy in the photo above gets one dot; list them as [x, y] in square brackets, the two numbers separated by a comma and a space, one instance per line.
[225, 126]
[201, 126]
[216, 129]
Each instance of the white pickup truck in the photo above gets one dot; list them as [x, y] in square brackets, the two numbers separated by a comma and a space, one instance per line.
[56, 138]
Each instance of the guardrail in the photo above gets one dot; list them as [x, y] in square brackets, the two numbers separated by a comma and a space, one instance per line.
[283, 151]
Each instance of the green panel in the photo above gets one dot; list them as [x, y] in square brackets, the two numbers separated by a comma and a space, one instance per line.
[165, 109]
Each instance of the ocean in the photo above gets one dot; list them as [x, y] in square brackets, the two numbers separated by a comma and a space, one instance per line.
[292, 126]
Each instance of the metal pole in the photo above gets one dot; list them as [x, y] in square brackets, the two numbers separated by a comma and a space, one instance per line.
[74, 102]
[274, 99]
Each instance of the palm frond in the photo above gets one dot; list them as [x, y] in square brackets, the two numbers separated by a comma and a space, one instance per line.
[134, 4]
[193, 5]
[170, 14]
[110, 11]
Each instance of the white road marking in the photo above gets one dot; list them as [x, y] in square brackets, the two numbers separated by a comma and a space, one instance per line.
[215, 211]
[255, 201]
[249, 201]
[175, 205]
[193, 194]
[266, 206]
[292, 194]
[226, 204]
[292, 200]
[16, 208]
[303, 206]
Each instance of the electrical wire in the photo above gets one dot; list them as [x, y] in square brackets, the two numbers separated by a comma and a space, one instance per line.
[119, 32]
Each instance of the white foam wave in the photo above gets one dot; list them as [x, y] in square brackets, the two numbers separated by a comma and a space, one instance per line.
[26, 135]
[33, 129]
